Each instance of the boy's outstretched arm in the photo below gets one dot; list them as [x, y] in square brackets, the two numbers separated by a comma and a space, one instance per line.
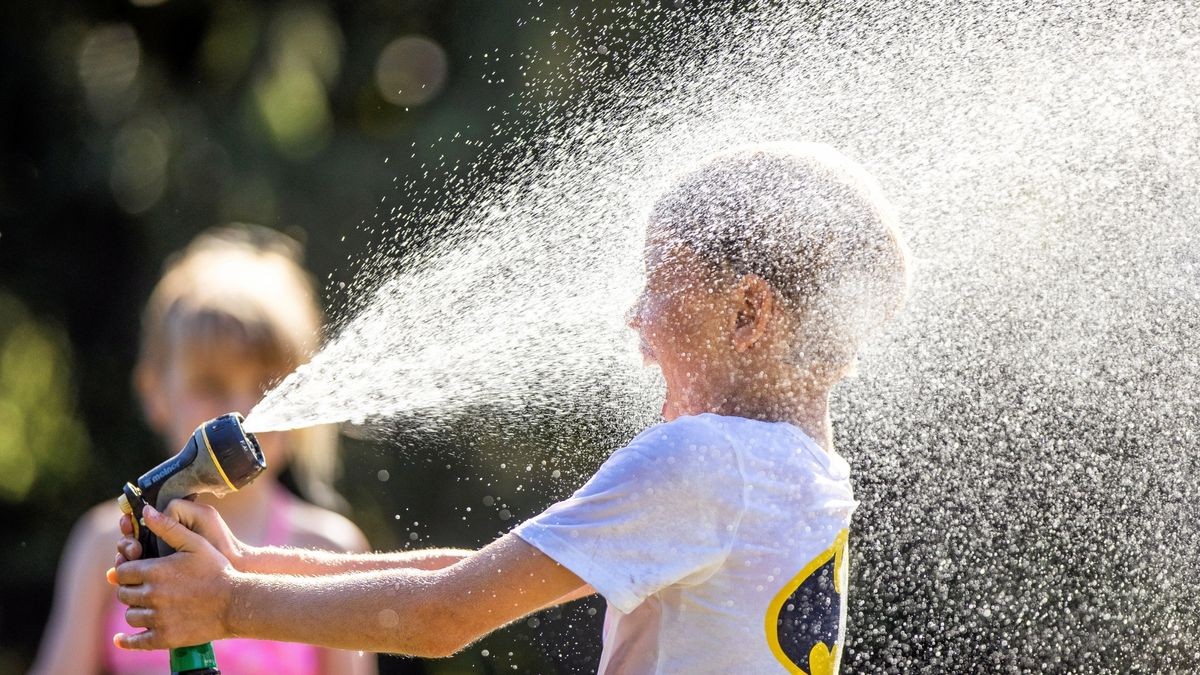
[196, 595]
[205, 521]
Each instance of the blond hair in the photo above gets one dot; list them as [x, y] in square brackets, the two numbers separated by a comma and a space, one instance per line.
[812, 223]
[245, 284]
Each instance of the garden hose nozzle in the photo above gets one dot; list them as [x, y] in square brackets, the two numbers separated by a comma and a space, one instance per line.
[220, 457]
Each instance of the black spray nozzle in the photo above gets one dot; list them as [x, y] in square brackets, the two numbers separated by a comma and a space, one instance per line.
[238, 457]
[220, 457]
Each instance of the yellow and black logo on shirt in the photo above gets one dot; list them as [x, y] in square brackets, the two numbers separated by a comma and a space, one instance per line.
[805, 619]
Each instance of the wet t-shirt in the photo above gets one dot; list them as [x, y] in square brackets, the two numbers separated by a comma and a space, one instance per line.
[720, 544]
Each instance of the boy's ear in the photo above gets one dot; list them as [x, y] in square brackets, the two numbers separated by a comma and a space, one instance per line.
[755, 310]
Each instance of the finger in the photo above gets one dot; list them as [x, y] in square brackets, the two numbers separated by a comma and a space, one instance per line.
[127, 525]
[188, 512]
[139, 617]
[134, 596]
[129, 547]
[132, 573]
[146, 639]
[111, 575]
[171, 530]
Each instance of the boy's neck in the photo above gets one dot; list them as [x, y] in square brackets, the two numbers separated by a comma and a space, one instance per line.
[801, 406]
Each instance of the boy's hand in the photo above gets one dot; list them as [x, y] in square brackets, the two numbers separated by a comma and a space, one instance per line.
[181, 599]
[199, 518]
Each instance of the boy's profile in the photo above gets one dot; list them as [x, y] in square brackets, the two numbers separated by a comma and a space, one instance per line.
[718, 538]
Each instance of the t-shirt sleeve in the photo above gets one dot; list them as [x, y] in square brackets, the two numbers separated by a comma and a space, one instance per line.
[662, 510]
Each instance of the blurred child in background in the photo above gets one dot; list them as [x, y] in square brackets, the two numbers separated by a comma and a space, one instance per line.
[233, 313]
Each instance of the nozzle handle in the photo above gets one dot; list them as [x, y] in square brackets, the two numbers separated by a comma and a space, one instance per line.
[193, 660]
[220, 457]
[131, 504]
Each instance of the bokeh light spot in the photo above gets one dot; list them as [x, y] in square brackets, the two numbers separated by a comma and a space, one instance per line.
[307, 37]
[293, 105]
[228, 48]
[411, 70]
[139, 168]
[109, 59]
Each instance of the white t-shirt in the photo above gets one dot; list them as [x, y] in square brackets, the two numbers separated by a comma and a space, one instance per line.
[719, 544]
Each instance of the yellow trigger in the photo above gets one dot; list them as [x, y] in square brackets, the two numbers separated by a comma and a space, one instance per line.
[127, 509]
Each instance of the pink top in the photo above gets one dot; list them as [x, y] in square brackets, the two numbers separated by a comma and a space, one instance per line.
[235, 655]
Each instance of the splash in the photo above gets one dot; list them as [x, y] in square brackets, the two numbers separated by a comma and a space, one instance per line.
[1025, 437]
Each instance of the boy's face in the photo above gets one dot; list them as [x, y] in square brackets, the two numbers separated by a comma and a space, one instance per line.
[682, 318]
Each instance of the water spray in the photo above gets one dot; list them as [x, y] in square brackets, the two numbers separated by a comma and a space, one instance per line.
[1027, 432]
[221, 457]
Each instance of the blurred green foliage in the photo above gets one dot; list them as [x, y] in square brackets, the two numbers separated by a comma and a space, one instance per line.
[41, 437]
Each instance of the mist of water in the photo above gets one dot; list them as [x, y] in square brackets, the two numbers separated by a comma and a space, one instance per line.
[1024, 436]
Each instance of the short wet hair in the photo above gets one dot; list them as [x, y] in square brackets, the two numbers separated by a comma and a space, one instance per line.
[808, 220]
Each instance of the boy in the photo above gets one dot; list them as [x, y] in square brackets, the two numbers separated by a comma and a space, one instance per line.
[718, 538]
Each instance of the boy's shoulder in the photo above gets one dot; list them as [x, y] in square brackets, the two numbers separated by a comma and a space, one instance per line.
[714, 440]
[684, 433]
[693, 446]
[706, 429]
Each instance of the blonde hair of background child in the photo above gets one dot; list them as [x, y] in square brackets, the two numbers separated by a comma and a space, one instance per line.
[245, 284]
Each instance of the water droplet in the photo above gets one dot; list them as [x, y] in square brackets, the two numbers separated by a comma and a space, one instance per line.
[388, 618]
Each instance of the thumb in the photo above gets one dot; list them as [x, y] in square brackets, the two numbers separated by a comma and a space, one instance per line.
[190, 514]
[146, 639]
[170, 530]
